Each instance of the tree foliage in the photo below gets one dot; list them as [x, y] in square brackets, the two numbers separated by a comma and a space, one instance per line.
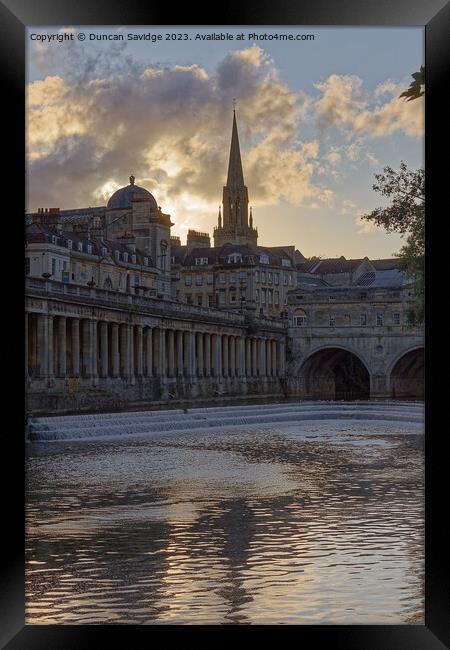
[406, 216]
[415, 88]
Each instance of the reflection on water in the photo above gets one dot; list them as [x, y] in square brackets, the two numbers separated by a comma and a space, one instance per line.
[255, 526]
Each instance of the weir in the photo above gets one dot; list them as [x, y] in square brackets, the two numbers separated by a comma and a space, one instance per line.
[141, 423]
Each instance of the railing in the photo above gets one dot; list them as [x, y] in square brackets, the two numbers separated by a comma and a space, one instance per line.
[169, 308]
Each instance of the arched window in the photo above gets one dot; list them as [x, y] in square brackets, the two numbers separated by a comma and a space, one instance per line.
[108, 284]
[300, 319]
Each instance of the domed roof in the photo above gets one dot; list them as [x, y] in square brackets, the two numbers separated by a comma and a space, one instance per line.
[122, 198]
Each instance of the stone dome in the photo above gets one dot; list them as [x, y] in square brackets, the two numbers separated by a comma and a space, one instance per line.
[122, 197]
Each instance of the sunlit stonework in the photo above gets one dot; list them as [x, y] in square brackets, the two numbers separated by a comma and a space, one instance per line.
[119, 312]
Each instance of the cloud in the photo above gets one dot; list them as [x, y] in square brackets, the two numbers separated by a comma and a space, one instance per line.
[346, 106]
[170, 126]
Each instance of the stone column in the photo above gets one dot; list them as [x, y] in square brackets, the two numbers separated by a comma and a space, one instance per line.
[192, 361]
[281, 358]
[115, 357]
[149, 352]
[93, 346]
[41, 352]
[254, 358]
[225, 355]
[241, 357]
[274, 359]
[248, 357]
[156, 352]
[103, 349]
[139, 351]
[200, 364]
[130, 329]
[26, 345]
[232, 356]
[217, 355]
[124, 363]
[207, 353]
[171, 353]
[268, 358]
[162, 354]
[62, 346]
[50, 352]
[262, 358]
[75, 347]
[179, 353]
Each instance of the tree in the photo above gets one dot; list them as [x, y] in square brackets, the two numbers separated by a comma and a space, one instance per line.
[414, 91]
[406, 216]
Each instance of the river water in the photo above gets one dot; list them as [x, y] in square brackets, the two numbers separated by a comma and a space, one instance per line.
[268, 524]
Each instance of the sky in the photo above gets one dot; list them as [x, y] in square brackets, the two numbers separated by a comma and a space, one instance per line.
[317, 119]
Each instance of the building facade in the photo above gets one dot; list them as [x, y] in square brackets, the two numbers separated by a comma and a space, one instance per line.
[120, 314]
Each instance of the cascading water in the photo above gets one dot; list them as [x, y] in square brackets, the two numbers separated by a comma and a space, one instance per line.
[152, 422]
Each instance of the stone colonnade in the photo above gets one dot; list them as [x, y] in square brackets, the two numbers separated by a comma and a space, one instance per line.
[67, 347]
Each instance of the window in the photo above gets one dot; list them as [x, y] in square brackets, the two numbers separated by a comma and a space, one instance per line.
[53, 266]
[222, 297]
[234, 258]
[199, 300]
[189, 298]
[104, 251]
[232, 297]
[232, 276]
[285, 279]
[198, 279]
[290, 278]
[210, 300]
[117, 255]
[125, 257]
[396, 318]
[256, 276]
[145, 261]
[242, 276]
[69, 244]
[27, 266]
[199, 261]
[263, 296]
[54, 239]
[209, 278]
[136, 278]
[362, 296]
[270, 278]
[332, 321]
[269, 296]
[379, 319]
[257, 295]
[264, 259]
[263, 276]
[222, 278]
[89, 249]
[80, 247]
[276, 298]
[133, 259]
[276, 278]
[285, 262]
[363, 320]
[300, 319]
[188, 280]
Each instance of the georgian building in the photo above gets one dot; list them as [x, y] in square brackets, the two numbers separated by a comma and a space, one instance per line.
[120, 313]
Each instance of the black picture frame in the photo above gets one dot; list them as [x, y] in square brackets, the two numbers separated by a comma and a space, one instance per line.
[15, 15]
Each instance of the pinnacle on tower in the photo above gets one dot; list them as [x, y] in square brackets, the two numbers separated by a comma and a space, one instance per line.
[235, 174]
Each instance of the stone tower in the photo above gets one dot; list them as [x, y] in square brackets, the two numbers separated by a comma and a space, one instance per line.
[233, 225]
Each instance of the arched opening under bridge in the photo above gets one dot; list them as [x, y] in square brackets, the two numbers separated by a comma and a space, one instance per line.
[335, 373]
[407, 376]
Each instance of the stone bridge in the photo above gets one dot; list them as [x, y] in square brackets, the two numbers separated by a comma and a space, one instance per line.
[352, 362]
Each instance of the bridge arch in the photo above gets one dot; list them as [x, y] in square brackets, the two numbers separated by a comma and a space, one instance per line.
[406, 373]
[335, 372]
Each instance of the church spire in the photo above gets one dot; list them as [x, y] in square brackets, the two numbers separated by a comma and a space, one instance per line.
[235, 174]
